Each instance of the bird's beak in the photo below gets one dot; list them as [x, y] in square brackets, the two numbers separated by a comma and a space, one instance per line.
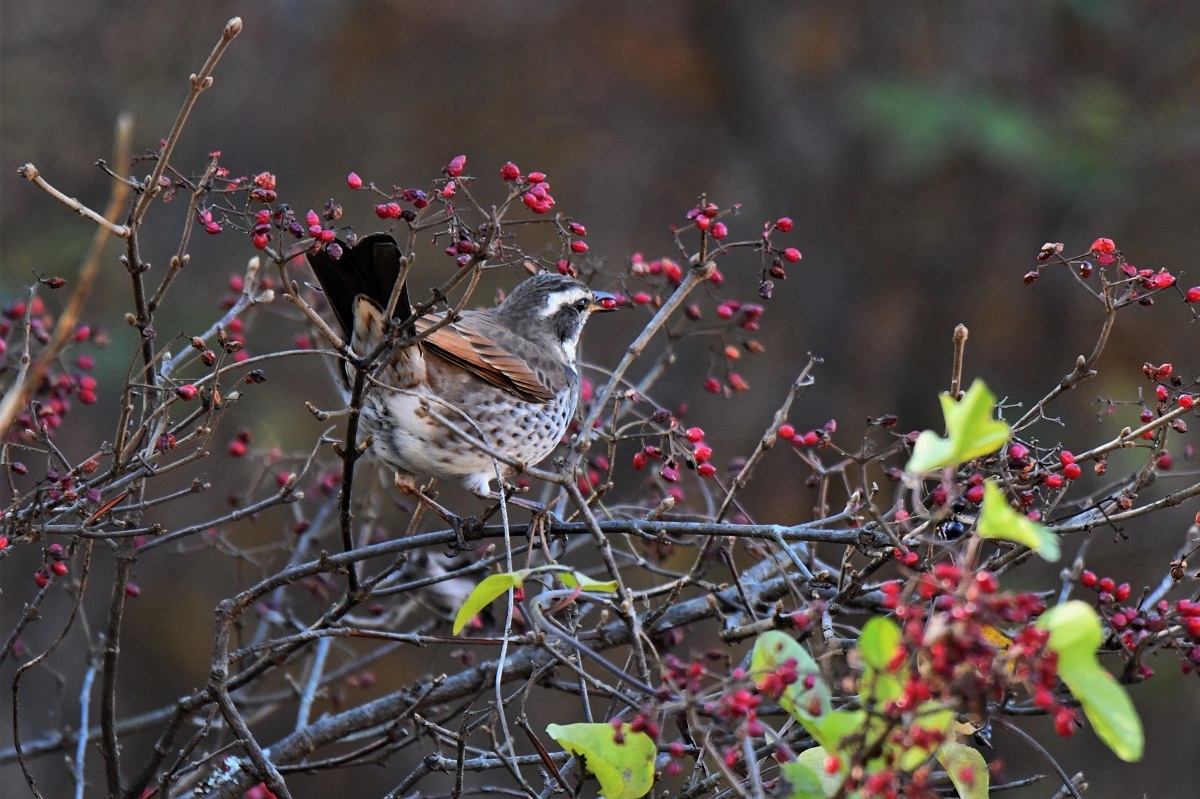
[603, 301]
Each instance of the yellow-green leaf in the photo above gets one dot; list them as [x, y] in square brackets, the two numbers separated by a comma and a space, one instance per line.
[574, 579]
[802, 781]
[971, 431]
[814, 760]
[997, 519]
[967, 769]
[625, 770]
[931, 716]
[838, 725]
[878, 641]
[1076, 634]
[808, 706]
[482, 595]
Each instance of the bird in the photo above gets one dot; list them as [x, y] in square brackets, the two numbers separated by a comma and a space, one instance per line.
[507, 377]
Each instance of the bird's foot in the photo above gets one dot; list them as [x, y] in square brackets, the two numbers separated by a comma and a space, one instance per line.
[509, 495]
[461, 526]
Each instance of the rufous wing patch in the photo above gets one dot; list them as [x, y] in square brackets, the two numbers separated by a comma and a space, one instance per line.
[484, 357]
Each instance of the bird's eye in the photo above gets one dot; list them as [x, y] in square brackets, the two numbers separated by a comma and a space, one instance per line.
[581, 303]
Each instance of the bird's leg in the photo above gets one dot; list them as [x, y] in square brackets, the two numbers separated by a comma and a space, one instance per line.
[508, 493]
[407, 484]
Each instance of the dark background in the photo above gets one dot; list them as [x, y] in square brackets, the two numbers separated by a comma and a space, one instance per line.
[925, 150]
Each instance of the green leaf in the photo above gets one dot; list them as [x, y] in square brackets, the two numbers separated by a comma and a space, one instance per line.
[836, 725]
[625, 770]
[482, 595]
[878, 641]
[967, 769]
[997, 519]
[932, 716]
[574, 579]
[814, 760]
[802, 781]
[877, 645]
[774, 648]
[1076, 634]
[971, 431]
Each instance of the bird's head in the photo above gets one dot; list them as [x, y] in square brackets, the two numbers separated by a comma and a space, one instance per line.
[554, 307]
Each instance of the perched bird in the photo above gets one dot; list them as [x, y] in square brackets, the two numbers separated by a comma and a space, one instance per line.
[507, 377]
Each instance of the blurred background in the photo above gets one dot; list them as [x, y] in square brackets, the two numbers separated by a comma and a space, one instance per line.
[924, 150]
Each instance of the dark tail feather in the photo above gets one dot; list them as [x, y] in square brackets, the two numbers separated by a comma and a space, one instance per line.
[371, 267]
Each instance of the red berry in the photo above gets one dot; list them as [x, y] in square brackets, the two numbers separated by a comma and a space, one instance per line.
[719, 231]
[1164, 461]
[3, 541]
[1054, 481]
[59, 568]
[354, 181]
[1192, 295]
[703, 222]
[187, 392]
[641, 298]
[237, 448]
[260, 240]
[1064, 722]
[783, 224]
[811, 438]
[579, 246]
[456, 165]
[987, 582]
[1121, 592]
[1072, 471]
[702, 453]
[1186, 401]
[706, 470]
[536, 177]
[87, 396]
[510, 171]
[639, 460]
[1105, 246]
[786, 431]
[1107, 584]
[41, 578]
[694, 434]
[577, 229]
[974, 494]
[1160, 392]
[1018, 452]
[791, 254]
[1088, 579]
[712, 385]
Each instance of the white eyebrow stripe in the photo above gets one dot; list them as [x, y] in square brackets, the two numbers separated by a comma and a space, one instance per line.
[558, 299]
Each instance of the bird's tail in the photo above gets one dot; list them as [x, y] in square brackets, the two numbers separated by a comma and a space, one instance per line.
[368, 269]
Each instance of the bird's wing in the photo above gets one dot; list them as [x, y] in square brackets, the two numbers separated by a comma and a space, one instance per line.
[488, 350]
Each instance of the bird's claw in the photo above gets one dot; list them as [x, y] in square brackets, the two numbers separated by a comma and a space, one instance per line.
[470, 526]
